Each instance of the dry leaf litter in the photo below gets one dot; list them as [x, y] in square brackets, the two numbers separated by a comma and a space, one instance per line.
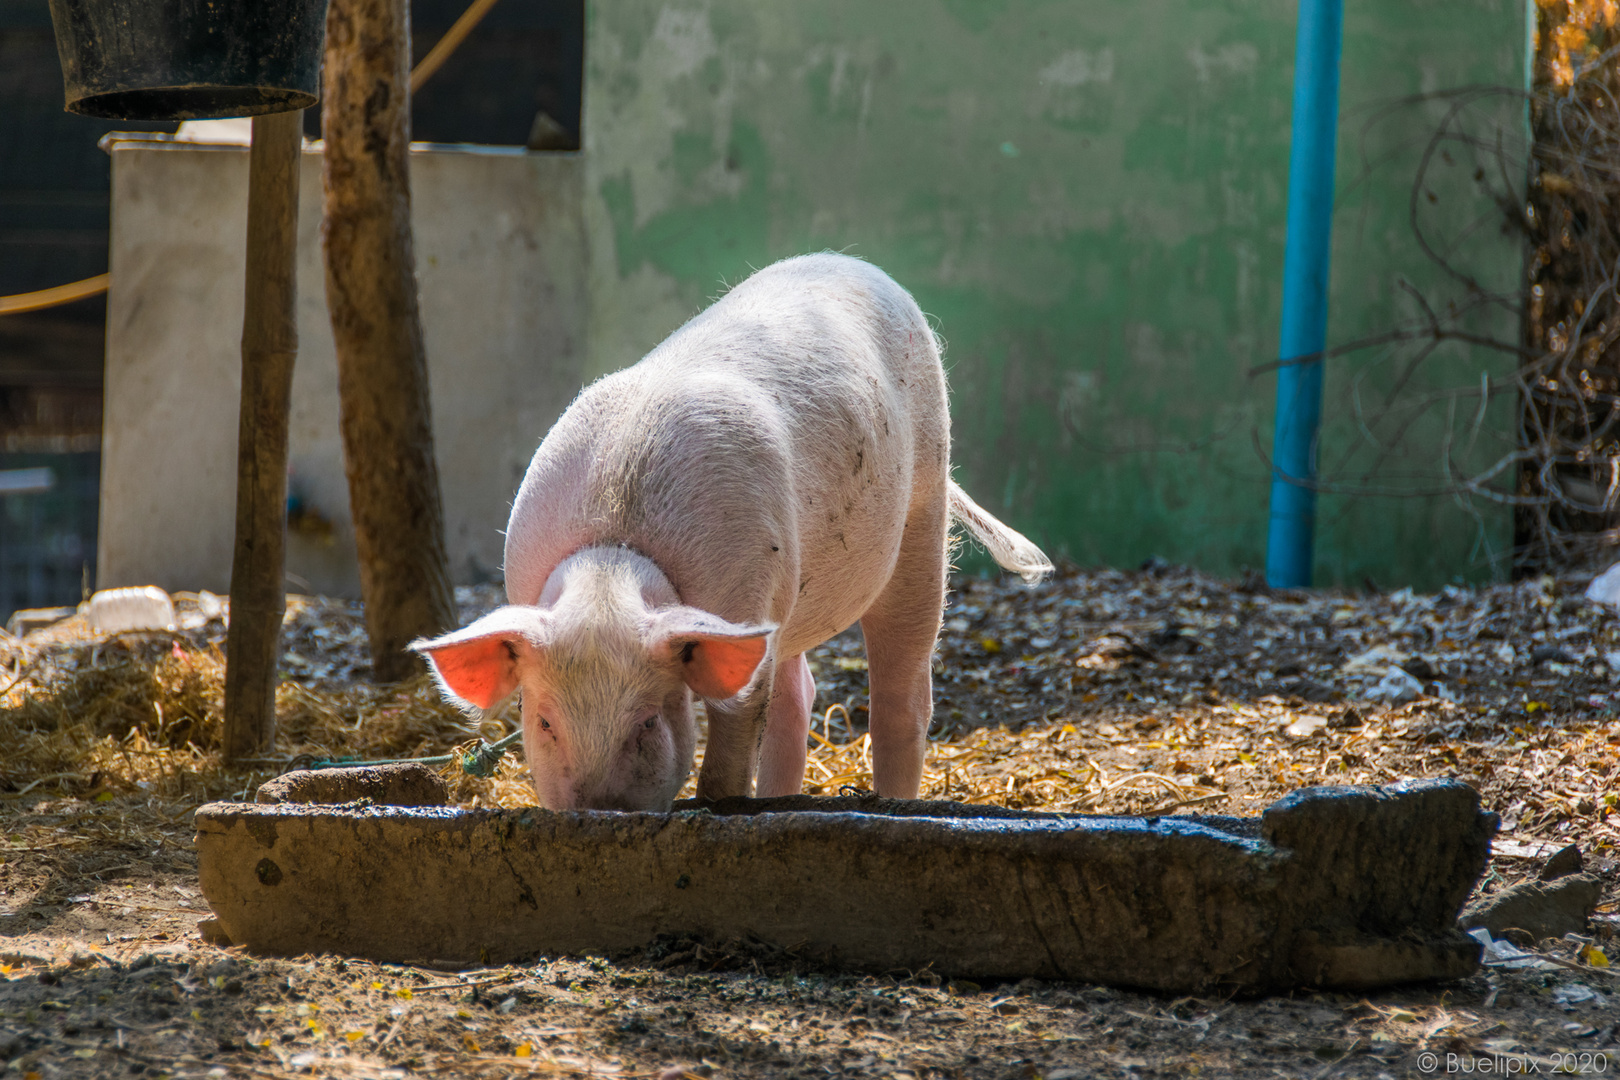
[1099, 691]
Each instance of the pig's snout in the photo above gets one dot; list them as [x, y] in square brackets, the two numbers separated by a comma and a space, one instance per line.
[642, 773]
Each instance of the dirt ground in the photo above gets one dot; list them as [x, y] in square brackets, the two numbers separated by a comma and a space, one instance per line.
[1158, 690]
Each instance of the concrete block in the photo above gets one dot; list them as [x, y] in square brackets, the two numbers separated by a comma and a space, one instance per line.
[500, 262]
[404, 783]
[1335, 887]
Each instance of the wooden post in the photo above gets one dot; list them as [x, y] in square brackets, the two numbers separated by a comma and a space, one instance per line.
[269, 347]
[377, 328]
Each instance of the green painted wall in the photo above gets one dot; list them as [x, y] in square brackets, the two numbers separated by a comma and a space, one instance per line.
[1090, 199]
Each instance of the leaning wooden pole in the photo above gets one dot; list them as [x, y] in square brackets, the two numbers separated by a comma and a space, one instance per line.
[377, 328]
[269, 347]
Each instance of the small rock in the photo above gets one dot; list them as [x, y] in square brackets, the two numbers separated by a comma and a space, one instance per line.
[1605, 588]
[1396, 688]
[1544, 909]
[1562, 863]
[1310, 690]
[1572, 994]
[1419, 668]
[1374, 658]
[1305, 726]
[1543, 654]
[1349, 717]
[213, 932]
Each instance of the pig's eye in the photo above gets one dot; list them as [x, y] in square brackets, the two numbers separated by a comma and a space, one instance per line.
[648, 723]
[544, 723]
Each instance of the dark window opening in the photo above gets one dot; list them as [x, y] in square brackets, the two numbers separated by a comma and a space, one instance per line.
[517, 80]
[525, 60]
[54, 197]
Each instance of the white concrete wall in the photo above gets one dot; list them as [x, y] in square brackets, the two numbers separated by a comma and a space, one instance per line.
[500, 258]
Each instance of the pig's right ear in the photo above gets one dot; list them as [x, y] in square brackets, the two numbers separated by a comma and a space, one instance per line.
[478, 664]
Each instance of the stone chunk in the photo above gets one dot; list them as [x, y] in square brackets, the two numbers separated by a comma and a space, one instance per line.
[1544, 909]
[401, 784]
[1562, 863]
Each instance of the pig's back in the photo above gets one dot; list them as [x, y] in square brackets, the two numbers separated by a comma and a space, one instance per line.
[764, 455]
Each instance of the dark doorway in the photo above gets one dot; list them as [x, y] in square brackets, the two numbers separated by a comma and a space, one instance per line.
[525, 58]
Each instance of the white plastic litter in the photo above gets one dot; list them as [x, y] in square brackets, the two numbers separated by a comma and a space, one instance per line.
[1396, 687]
[1378, 656]
[1504, 954]
[145, 607]
[1572, 994]
[230, 132]
[209, 607]
[1605, 588]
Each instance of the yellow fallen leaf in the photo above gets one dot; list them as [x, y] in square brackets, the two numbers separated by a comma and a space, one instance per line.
[990, 645]
[354, 1036]
[470, 1043]
[1595, 956]
[376, 986]
[404, 992]
[523, 1050]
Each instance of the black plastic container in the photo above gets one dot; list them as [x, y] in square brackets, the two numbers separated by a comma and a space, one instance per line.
[189, 59]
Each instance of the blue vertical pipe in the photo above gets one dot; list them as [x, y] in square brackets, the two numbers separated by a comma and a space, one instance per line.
[1305, 292]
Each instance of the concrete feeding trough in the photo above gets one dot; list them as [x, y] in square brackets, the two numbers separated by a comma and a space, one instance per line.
[1334, 887]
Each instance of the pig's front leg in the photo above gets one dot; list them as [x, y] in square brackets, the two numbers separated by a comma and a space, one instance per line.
[787, 727]
[736, 728]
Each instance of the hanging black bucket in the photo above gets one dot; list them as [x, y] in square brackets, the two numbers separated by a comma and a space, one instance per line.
[189, 59]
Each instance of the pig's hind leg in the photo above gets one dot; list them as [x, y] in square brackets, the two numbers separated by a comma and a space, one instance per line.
[787, 728]
[901, 628]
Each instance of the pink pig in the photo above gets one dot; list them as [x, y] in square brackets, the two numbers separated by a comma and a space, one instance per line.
[776, 470]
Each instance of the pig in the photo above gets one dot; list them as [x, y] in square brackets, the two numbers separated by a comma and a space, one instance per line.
[775, 471]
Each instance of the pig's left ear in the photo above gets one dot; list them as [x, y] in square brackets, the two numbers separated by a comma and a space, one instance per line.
[718, 658]
[478, 664]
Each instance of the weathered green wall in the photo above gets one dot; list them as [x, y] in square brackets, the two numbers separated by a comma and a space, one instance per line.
[1090, 199]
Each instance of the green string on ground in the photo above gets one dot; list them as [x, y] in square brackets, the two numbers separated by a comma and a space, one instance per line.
[481, 761]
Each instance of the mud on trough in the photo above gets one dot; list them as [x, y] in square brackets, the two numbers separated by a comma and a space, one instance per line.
[1160, 691]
